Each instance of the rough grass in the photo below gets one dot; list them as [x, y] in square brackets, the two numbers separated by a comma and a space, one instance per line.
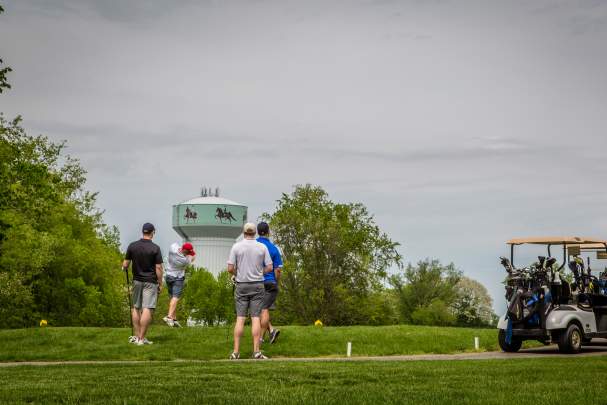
[215, 343]
[518, 381]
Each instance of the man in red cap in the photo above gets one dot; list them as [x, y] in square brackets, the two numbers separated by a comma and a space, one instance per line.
[180, 257]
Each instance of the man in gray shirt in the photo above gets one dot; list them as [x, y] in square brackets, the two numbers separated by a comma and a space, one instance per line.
[248, 262]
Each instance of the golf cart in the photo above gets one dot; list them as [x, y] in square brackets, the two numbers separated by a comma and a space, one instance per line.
[548, 305]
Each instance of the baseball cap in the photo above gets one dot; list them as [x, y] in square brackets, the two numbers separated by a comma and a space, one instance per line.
[249, 228]
[147, 228]
[188, 246]
[263, 228]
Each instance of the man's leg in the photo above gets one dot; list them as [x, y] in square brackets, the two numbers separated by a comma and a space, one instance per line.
[144, 323]
[265, 321]
[135, 316]
[238, 331]
[173, 307]
[149, 299]
[256, 330]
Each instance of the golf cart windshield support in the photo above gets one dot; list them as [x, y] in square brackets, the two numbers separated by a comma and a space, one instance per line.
[584, 243]
[549, 254]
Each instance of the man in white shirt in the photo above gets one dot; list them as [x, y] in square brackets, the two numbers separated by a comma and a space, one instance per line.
[180, 257]
[248, 262]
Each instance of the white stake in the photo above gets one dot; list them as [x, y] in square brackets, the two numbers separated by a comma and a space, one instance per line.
[349, 351]
[476, 343]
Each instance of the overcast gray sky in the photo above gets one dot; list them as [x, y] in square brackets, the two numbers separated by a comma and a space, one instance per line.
[459, 124]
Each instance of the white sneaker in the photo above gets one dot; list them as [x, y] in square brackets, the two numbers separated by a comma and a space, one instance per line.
[132, 339]
[169, 321]
[146, 341]
[176, 324]
[259, 356]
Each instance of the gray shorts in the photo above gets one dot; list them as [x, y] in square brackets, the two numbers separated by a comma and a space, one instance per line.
[269, 297]
[145, 295]
[249, 296]
[174, 286]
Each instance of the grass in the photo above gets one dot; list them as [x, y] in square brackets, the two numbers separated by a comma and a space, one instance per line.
[212, 343]
[547, 380]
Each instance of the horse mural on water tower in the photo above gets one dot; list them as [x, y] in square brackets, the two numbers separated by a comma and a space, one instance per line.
[190, 215]
[221, 214]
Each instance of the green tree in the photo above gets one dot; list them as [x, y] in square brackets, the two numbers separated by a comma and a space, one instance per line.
[335, 258]
[4, 70]
[426, 292]
[473, 304]
[58, 259]
[208, 299]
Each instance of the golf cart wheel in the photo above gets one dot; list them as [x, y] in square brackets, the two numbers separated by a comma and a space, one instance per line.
[571, 340]
[514, 345]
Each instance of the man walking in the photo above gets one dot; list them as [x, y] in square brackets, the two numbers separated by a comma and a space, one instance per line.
[180, 257]
[248, 262]
[146, 258]
[270, 281]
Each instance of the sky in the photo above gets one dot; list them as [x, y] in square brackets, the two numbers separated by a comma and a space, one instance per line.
[459, 124]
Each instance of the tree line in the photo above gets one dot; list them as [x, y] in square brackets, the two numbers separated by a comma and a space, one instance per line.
[58, 258]
[337, 266]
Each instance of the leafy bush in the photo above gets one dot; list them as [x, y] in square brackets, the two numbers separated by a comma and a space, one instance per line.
[58, 260]
[208, 299]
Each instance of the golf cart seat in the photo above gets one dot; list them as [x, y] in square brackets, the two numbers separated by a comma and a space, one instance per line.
[598, 300]
[565, 293]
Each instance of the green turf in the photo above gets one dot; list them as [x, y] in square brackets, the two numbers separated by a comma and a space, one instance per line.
[518, 381]
[211, 343]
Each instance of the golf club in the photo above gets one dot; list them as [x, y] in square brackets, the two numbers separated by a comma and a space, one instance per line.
[229, 324]
[128, 289]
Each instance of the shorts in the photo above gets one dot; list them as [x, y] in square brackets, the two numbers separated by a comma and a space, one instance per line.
[145, 294]
[174, 286]
[269, 297]
[249, 296]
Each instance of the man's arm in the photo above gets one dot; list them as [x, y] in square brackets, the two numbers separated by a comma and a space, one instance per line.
[125, 264]
[232, 262]
[267, 261]
[159, 271]
[278, 262]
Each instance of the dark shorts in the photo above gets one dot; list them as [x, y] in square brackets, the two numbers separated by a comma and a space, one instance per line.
[174, 286]
[270, 295]
[249, 296]
[145, 295]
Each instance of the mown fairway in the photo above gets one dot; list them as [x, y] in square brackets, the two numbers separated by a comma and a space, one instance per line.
[517, 381]
[211, 343]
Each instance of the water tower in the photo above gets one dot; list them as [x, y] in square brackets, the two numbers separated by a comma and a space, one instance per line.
[211, 224]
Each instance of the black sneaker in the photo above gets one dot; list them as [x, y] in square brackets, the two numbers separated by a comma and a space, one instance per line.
[274, 335]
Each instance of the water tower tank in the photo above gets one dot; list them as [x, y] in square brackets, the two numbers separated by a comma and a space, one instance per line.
[212, 224]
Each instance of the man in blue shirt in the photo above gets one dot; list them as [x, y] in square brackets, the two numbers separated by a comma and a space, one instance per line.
[270, 282]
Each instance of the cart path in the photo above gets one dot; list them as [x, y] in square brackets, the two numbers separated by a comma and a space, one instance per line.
[598, 349]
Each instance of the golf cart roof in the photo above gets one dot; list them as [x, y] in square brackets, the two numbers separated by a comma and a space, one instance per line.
[592, 246]
[559, 240]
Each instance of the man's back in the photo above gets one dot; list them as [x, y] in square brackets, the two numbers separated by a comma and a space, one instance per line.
[176, 262]
[274, 255]
[145, 255]
[249, 257]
